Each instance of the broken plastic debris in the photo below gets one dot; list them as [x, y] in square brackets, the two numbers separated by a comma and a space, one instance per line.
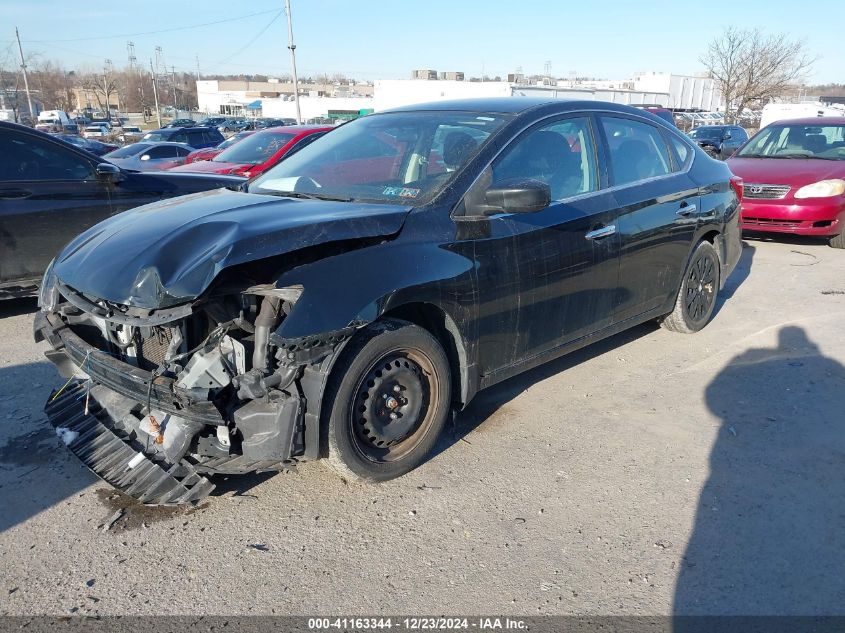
[66, 435]
[135, 460]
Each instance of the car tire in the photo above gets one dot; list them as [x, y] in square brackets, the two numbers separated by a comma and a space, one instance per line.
[697, 295]
[386, 403]
[837, 241]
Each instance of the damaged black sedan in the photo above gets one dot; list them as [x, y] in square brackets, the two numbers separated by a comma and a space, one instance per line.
[346, 302]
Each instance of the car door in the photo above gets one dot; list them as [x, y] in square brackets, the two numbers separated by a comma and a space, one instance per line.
[49, 193]
[549, 277]
[161, 157]
[737, 138]
[658, 211]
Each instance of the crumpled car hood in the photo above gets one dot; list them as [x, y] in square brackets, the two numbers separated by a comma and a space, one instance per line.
[169, 252]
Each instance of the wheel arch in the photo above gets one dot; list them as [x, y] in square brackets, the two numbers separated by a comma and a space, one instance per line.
[440, 324]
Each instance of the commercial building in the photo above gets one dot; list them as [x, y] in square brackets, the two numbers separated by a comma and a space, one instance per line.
[275, 98]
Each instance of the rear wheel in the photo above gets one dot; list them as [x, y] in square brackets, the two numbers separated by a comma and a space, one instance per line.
[387, 401]
[837, 241]
[697, 295]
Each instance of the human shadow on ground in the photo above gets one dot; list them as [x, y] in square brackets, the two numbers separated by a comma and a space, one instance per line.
[769, 532]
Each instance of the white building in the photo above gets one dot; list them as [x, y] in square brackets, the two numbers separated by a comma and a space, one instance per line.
[686, 92]
[275, 99]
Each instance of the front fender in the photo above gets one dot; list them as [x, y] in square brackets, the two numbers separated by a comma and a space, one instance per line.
[355, 288]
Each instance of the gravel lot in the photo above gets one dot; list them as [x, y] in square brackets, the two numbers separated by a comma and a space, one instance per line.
[652, 473]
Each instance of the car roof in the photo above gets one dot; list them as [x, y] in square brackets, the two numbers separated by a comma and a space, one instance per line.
[515, 105]
[815, 120]
[161, 144]
[296, 129]
[176, 130]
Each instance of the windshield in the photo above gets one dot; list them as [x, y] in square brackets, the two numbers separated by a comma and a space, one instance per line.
[254, 149]
[398, 158]
[797, 141]
[134, 130]
[709, 133]
[129, 150]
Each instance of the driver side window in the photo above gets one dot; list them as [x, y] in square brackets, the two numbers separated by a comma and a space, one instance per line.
[30, 158]
[560, 154]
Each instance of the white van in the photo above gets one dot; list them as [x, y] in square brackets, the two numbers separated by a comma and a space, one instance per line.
[52, 116]
[785, 111]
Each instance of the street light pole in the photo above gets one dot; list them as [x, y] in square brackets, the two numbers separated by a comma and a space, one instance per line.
[292, 48]
[26, 81]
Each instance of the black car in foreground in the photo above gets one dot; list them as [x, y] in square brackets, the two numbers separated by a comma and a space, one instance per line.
[50, 191]
[345, 302]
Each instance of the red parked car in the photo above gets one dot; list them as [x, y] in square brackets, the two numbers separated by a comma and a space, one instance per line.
[794, 178]
[259, 152]
[210, 152]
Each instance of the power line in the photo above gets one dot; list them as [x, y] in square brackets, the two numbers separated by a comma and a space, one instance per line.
[171, 30]
[250, 42]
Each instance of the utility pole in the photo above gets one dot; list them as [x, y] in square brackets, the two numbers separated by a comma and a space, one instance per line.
[175, 100]
[155, 93]
[26, 81]
[292, 48]
[197, 57]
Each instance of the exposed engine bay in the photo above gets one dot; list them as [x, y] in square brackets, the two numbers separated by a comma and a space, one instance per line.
[197, 389]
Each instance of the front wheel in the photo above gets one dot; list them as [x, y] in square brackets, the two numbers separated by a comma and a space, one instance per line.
[386, 402]
[697, 294]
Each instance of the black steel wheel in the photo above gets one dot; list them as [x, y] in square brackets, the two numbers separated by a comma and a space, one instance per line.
[387, 401]
[697, 295]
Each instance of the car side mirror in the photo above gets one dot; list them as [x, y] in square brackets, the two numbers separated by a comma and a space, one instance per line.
[109, 172]
[517, 196]
[145, 157]
[727, 136]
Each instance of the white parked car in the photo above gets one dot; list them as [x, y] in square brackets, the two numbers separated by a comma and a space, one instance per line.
[95, 131]
[130, 134]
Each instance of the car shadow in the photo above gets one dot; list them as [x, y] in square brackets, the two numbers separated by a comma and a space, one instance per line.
[17, 307]
[490, 400]
[737, 277]
[768, 536]
[785, 238]
[36, 470]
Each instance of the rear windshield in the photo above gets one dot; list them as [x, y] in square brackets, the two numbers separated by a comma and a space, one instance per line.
[157, 135]
[826, 142]
[254, 149]
[129, 150]
[708, 133]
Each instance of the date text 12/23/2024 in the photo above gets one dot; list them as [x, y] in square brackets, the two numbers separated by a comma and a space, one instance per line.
[416, 623]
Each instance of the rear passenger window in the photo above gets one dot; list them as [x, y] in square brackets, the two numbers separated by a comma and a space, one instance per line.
[163, 151]
[637, 150]
[560, 154]
[682, 151]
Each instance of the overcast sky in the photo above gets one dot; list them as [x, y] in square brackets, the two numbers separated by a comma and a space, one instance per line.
[371, 39]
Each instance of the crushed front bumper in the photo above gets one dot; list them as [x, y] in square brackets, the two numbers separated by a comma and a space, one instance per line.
[113, 458]
[125, 379]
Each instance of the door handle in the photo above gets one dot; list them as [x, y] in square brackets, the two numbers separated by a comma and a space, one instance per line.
[599, 233]
[14, 194]
[687, 209]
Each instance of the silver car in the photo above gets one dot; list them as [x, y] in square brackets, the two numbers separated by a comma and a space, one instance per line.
[150, 156]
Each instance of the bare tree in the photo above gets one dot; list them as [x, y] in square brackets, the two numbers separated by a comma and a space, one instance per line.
[102, 86]
[752, 67]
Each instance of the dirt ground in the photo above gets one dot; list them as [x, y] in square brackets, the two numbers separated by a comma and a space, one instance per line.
[652, 473]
